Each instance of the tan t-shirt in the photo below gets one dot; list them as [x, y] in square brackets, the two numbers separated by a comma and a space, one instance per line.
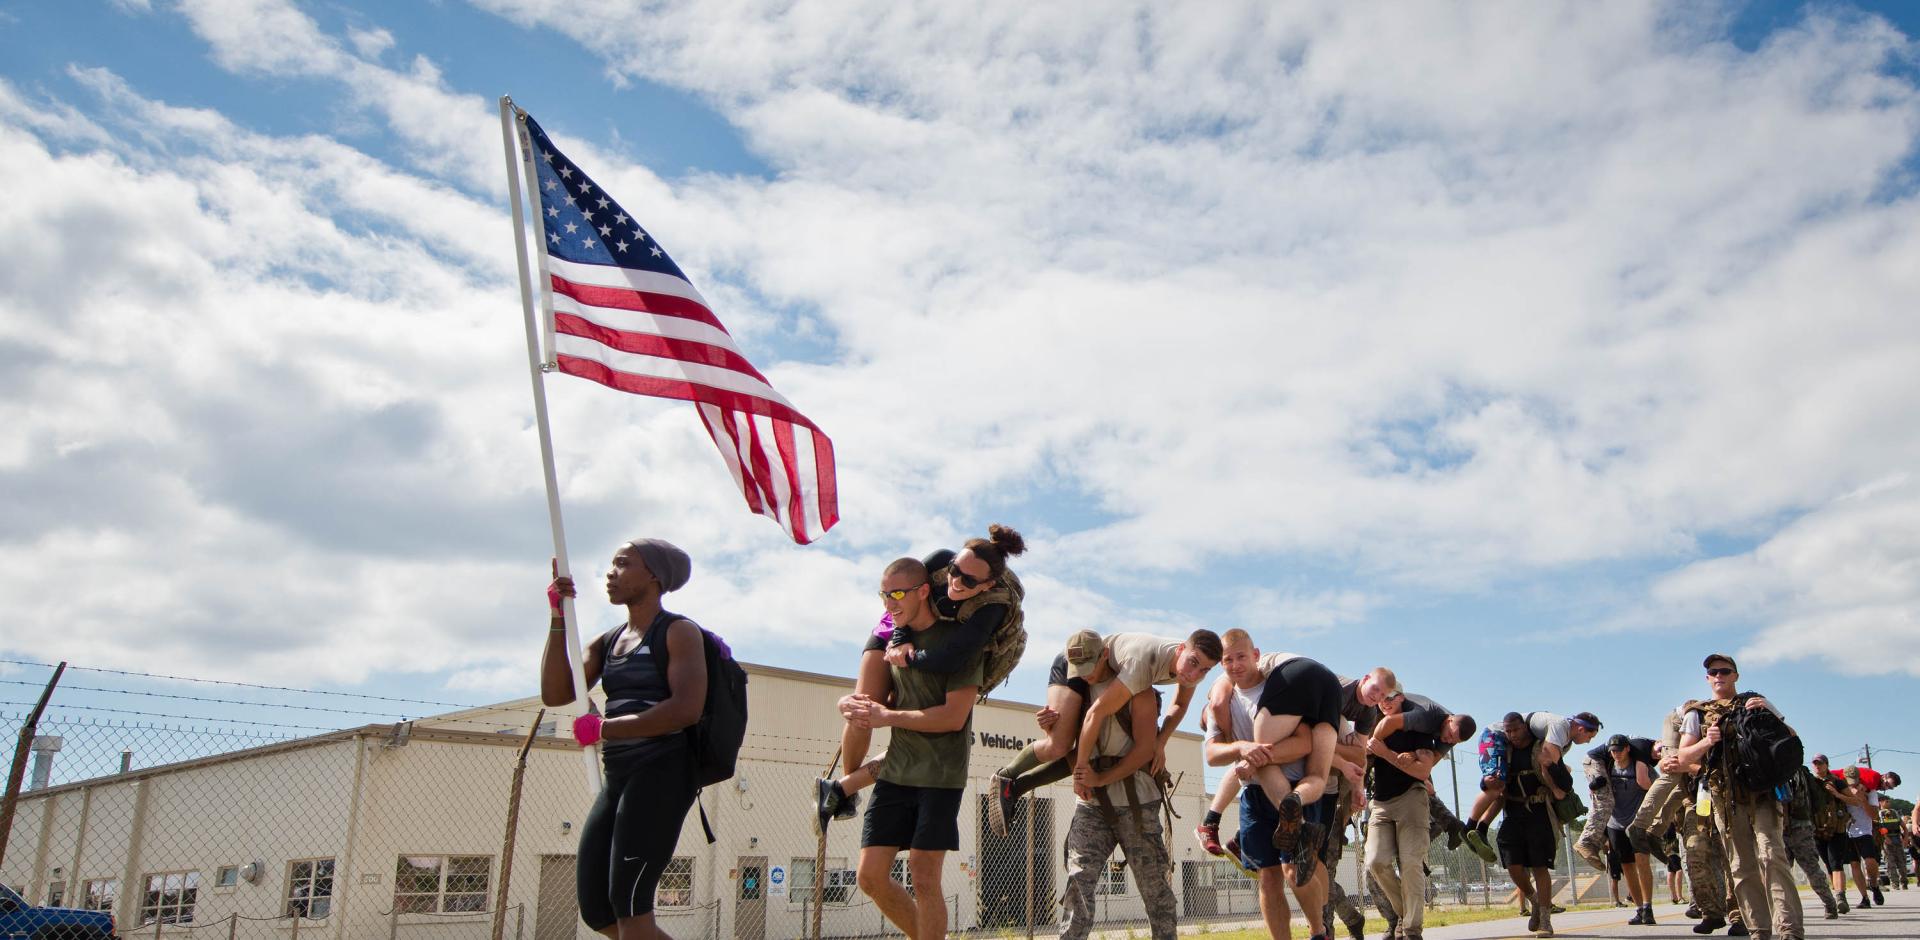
[1115, 740]
[1141, 660]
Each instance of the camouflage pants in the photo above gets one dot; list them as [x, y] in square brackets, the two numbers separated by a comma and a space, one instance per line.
[1806, 854]
[1338, 903]
[1706, 861]
[1091, 840]
[1594, 837]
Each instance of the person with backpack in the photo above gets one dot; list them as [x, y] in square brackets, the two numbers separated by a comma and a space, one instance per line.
[920, 784]
[1860, 800]
[943, 585]
[1732, 738]
[1806, 799]
[651, 779]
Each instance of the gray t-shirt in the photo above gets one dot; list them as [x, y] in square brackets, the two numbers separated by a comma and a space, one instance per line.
[1115, 740]
[1242, 705]
[1551, 728]
[1141, 660]
[1627, 792]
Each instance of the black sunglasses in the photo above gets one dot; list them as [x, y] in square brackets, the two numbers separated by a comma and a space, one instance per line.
[967, 579]
[1719, 671]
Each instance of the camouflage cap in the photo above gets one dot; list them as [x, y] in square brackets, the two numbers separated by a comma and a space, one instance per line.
[1083, 653]
[1708, 662]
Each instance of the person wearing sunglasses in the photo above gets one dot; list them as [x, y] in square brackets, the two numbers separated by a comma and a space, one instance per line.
[1751, 824]
[964, 587]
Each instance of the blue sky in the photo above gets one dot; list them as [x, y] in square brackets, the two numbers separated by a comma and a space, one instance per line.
[1535, 357]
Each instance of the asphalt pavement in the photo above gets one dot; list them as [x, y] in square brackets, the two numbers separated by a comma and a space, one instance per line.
[1899, 919]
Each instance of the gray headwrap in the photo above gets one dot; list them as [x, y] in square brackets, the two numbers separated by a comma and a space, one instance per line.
[670, 566]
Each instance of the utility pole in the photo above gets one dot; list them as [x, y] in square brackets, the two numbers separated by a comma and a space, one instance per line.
[1869, 758]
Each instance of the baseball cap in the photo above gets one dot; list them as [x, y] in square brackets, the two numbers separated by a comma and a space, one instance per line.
[1708, 662]
[1819, 758]
[1619, 740]
[1083, 653]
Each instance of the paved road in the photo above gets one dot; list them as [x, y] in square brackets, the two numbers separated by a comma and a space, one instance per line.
[1898, 920]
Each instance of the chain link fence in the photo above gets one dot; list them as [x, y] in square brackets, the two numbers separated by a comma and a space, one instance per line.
[183, 808]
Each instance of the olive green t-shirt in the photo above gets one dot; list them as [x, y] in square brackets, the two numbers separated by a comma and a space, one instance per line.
[1142, 660]
[917, 758]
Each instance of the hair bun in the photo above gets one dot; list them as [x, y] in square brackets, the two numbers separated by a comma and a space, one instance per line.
[1006, 540]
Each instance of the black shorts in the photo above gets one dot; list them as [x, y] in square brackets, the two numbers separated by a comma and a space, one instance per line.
[1838, 851]
[1623, 853]
[1673, 863]
[1865, 848]
[1305, 688]
[1527, 836]
[1059, 677]
[925, 818]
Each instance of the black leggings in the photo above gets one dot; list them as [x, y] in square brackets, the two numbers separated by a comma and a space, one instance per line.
[629, 837]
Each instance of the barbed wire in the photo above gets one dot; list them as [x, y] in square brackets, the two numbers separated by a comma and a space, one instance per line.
[244, 685]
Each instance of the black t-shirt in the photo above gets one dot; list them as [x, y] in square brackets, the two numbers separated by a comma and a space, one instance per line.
[1386, 781]
[1425, 715]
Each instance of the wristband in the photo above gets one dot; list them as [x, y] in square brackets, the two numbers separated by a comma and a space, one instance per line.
[553, 597]
[586, 729]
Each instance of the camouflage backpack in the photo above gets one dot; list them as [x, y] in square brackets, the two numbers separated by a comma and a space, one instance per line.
[1009, 640]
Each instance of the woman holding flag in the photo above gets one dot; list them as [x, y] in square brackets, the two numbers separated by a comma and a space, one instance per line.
[634, 824]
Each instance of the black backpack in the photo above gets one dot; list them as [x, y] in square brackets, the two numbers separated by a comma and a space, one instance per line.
[1764, 752]
[713, 741]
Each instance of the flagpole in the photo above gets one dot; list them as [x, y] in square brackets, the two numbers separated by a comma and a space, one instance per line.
[511, 140]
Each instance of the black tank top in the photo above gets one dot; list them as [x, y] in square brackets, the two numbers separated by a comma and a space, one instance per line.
[634, 683]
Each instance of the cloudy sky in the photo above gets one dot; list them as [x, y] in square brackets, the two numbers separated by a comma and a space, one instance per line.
[1533, 349]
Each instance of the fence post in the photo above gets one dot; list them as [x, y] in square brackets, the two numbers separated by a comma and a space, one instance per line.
[519, 920]
[233, 925]
[513, 826]
[1030, 804]
[393, 922]
[819, 866]
[20, 750]
[296, 924]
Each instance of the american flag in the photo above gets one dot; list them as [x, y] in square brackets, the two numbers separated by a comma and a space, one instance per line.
[626, 316]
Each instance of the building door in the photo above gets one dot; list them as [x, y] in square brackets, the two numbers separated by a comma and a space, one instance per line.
[1007, 867]
[556, 915]
[750, 899]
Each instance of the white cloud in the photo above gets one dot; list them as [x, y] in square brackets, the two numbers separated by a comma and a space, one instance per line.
[1840, 585]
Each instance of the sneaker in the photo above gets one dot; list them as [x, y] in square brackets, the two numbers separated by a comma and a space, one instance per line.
[1481, 848]
[1000, 808]
[1737, 929]
[1693, 911]
[1864, 903]
[1879, 898]
[1646, 914]
[1710, 924]
[826, 802]
[1639, 917]
[1557, 909]
[1591, 853]
[1832, 913]
[1233, 852]
[849, 807]
[1209, 836]
[1545, 929]
[1306, 851]
[1454, 836]
[1844, 906]
[1533, 920]
[1286, 829]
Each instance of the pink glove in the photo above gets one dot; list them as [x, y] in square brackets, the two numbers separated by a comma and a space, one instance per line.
[553, 597]
[586, 729]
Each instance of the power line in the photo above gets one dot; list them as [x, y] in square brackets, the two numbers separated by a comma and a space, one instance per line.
[243, 685]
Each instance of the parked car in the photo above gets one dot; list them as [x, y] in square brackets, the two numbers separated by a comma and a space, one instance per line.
[20, 919]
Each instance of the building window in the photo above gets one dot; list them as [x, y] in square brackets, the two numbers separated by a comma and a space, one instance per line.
[226, 876]
[57, 894]
[676, 883]
[441, 884]
[310, 888]
[837, 890]
[100, 893]
[170, 897]
[1116, 880]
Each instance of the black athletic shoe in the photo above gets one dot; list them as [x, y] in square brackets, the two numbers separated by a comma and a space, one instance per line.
[1738, 929]
[1646, 915]
[1286, 830]
[1879, 898]
[1693, 911]
[1864, 903]
[1306, 851]
[826, 802]
[1533, 921]
[849, 807]
[1710, 924]
[1454, 838]
[1639, 916]
[1001, 807]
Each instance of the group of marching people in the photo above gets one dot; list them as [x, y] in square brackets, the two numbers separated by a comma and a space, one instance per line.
[1307, 751]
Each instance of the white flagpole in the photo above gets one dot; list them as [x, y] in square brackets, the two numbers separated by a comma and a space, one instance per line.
[511, 139]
